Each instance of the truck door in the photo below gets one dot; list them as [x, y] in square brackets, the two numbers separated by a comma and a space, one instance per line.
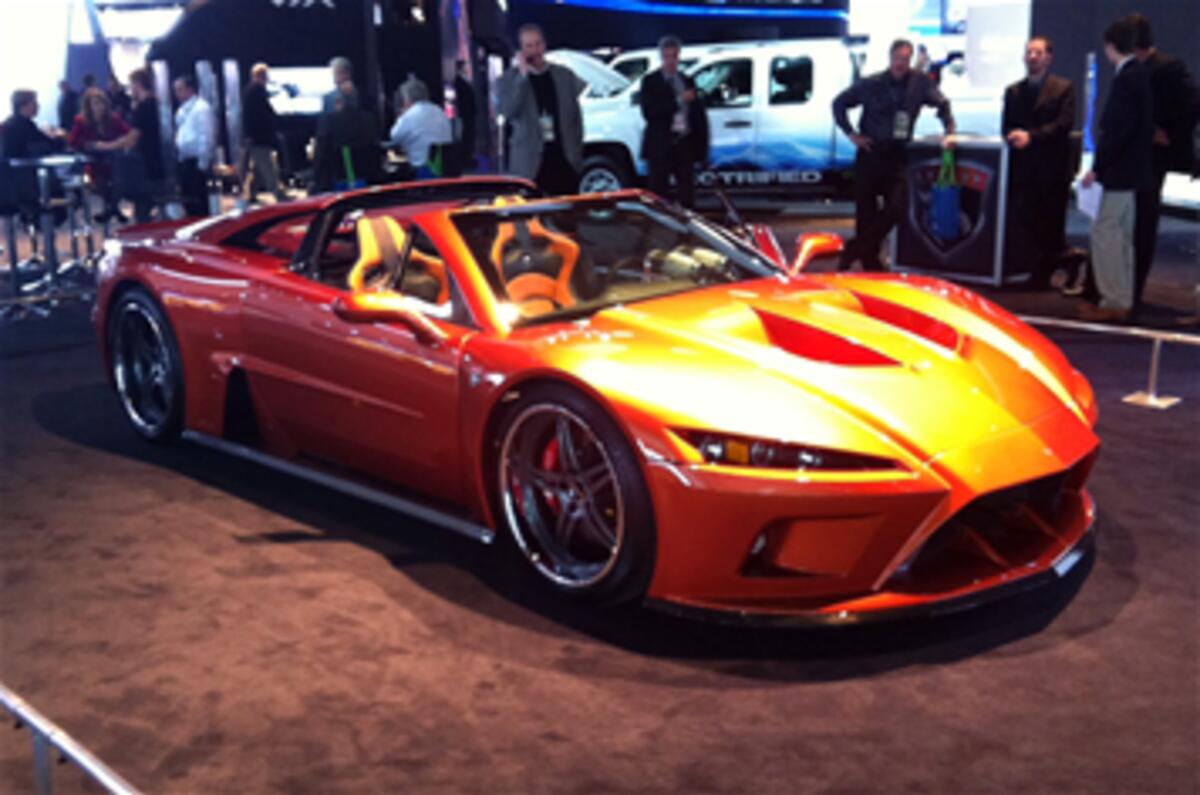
[795, 129]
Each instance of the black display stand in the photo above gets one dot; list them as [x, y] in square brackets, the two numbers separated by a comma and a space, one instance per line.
[979, 254]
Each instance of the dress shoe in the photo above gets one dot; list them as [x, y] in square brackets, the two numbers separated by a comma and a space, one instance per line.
[1103, 314]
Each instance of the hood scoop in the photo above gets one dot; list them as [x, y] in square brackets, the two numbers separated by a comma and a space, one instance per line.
[818, 345]
[912, 321]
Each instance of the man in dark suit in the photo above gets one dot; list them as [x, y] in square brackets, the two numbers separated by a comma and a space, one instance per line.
[464, 111]
[1039, 112]
[347, 130]
[676, 135]
[1174, 101]
[1123, 166]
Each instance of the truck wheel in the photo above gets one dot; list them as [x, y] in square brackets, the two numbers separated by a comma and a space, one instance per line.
[602, 173]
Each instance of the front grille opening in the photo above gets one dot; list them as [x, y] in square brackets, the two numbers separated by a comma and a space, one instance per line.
[996, 533]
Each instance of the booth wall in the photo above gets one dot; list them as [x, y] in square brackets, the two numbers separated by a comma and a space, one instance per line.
[1077, 28]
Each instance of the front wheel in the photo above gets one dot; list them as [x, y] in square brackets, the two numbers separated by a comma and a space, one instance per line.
[571, 493]
[603, 174]
[146, 367]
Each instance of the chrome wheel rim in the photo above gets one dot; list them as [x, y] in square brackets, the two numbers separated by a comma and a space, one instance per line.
[142, 369]
[599, 180]
[561, 496]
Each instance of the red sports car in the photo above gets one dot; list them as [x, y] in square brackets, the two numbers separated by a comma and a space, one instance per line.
[645, 404]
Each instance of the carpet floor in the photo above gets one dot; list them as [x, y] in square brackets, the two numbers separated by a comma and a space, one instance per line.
[207, 626]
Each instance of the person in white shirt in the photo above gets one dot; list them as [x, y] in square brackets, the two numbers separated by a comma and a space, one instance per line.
[195, 142]
[420, 125]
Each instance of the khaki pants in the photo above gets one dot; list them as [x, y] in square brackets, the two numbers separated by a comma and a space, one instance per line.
[261, 174]
[1112, 249]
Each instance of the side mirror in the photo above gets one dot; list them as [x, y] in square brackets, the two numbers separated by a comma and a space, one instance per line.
[763, 238]
[814, 245]
[387, 308]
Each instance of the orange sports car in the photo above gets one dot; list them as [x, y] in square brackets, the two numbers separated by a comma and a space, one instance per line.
[648, 405]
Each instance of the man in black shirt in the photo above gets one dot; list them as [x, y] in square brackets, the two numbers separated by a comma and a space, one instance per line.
[1039, 113]
[348, 132]
[891, 101]
[22, 138]
[464, 110]
[68, 105]
[259, 124]
[1174, 100]
[141, 176]
[121, 103]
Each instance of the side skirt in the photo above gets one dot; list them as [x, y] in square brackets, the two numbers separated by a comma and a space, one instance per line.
[412, 508]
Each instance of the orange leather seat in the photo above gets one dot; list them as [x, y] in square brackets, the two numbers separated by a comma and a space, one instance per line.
[381, 238]
[536, 292]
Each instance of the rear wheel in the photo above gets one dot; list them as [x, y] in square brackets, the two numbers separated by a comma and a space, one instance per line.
[571, 493]
[146, 366]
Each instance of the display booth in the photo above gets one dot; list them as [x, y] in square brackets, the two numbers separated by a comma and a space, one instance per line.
[979, 252]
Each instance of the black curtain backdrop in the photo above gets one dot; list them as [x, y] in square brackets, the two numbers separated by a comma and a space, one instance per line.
[257, 30]
[585, 27]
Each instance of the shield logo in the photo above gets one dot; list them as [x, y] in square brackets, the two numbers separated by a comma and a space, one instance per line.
[974, 181]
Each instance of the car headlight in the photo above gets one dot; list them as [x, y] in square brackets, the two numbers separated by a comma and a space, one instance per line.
[719, 448]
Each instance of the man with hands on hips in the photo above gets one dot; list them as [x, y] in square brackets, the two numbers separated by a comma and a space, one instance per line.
[891, 101]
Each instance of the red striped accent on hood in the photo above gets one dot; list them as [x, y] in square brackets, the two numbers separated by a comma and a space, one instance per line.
[818, 345]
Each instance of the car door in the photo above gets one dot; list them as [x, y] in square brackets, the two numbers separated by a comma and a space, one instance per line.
[727, 87]
[365, 396]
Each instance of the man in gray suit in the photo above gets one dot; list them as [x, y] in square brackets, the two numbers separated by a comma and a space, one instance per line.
[540, 104]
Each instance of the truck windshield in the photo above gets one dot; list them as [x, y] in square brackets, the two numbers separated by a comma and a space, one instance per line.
[558, 260]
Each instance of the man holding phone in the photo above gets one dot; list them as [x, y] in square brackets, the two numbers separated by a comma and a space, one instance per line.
[540, 103]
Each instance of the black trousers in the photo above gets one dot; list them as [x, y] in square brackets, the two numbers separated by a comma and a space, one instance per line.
[679, 163]
[1145, 233]
[556, 176]
[193, 188]
[880, 200]
[1038, 214]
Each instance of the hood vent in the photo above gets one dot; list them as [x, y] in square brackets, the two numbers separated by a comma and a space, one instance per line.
[809, 342]
[911, 320]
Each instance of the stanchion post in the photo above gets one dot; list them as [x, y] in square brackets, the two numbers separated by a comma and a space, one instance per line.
[41, 762]
[1150, 398]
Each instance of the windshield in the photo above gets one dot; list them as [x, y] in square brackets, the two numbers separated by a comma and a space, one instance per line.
[562, 260]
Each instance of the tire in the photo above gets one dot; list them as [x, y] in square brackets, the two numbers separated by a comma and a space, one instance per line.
[603, 173]
[570, 492]
[147, 369]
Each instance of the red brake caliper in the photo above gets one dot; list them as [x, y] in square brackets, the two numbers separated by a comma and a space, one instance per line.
[550, 464]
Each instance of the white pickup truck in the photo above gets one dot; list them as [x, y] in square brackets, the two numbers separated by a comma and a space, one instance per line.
[769, 111]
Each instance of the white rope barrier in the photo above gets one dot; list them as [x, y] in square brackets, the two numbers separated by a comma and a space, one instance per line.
[46, 735]
[1149, 398]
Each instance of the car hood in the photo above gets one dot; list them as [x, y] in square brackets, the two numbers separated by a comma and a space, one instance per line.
[882, 366]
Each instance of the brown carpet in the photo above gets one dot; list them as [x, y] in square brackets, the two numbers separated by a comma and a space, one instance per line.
[206, 626]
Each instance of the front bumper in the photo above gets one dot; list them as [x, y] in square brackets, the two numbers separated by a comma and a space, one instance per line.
[742, 545]
[884, 607]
